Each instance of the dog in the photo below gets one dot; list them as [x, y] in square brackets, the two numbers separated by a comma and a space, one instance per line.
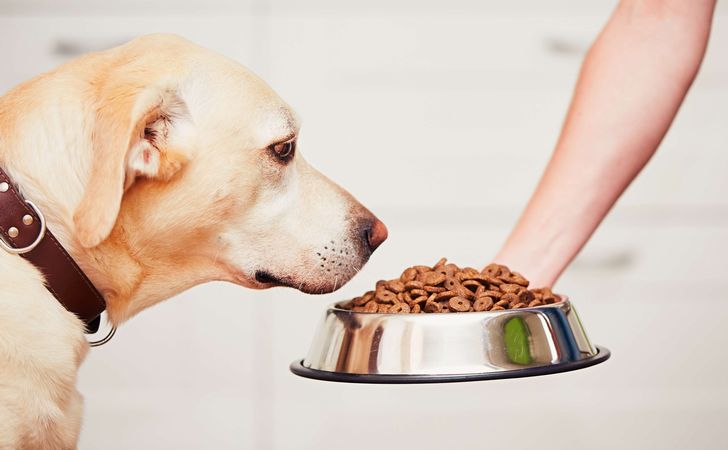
[159, 165]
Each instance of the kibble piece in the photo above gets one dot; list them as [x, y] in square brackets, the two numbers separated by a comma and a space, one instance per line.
[483, 304]
[526, 296]
[440, 263]
[471, 284]
[493, 293]
[451, 268]
[497, 308]
[414, 284]
[364, 299]
[371, 307]
[515, 278]
[492, 270]
[399, 308]
[468, 273]
[451, 283]
[482, 279]
[510, 298]
[395, 286]
[459, 304]
[462, 291]
[504, 272]
[386, 296]
[408, 275]
[435, 289]
[384, 308]
[420, 299]
[503, 303]
[446, 295]
[545, 292]
[432, 278]
[535, 303]
[519, 306]
[510, 288]
[432, 307]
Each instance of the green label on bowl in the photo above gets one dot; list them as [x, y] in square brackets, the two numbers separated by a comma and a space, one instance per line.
[516, 341]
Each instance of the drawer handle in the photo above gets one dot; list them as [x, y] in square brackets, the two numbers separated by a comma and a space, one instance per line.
[618, 260]
[564, 46]
[69, 48]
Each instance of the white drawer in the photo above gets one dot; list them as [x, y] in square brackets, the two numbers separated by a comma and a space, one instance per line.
[36, 44]
[446, 106]
[85, 8]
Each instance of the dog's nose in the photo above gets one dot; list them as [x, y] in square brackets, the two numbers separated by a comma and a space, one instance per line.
[375, 234]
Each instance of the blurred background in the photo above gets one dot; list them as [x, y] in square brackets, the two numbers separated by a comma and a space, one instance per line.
[439, 116]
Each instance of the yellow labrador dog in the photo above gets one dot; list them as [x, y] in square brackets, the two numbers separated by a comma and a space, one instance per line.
[159, 165]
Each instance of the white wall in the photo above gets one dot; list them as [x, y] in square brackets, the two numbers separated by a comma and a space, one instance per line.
[439, 117]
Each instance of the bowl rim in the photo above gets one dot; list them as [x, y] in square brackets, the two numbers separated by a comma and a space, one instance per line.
[298, 368]
[565, 302]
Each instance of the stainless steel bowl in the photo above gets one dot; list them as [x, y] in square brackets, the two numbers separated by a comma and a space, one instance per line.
[426, 348]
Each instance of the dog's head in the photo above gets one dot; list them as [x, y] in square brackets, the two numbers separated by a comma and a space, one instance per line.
[196, 175]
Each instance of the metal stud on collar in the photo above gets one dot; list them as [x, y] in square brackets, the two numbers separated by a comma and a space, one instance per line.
[19, 251]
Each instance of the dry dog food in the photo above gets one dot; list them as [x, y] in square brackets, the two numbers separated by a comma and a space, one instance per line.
[445, 288]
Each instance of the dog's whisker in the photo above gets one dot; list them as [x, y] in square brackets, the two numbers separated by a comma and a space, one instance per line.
[217, 255]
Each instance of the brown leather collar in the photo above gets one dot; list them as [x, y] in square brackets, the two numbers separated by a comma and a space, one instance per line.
[23, 231]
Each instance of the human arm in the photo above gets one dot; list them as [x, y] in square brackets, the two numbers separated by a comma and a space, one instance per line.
[632, 82]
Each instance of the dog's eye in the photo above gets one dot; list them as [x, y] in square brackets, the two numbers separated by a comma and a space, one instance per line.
[284, 150]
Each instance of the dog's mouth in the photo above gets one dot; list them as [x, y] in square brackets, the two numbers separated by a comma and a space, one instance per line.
[263, 277]
[268, 280]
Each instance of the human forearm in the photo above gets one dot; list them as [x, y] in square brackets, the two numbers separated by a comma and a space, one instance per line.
[632, 83]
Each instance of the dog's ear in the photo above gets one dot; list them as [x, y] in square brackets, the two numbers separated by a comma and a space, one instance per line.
[130, 139]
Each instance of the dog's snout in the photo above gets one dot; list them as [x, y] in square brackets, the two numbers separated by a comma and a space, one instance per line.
[375, 234]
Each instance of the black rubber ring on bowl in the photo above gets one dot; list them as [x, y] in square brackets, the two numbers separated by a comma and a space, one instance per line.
[299, 369]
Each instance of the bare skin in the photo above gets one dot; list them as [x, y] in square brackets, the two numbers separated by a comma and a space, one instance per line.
[632, 83]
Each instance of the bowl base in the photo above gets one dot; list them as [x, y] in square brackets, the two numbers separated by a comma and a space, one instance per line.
[299, 369]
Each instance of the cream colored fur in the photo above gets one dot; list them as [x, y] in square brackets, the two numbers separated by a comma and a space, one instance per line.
[153, 167]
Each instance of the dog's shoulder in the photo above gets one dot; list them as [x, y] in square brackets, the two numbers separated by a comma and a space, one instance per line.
[29, 310]
[41, 348]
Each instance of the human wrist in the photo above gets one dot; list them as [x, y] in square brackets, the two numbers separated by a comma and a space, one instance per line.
[534, 264]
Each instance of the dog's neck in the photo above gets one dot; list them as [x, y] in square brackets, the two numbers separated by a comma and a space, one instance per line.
[48, 155]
